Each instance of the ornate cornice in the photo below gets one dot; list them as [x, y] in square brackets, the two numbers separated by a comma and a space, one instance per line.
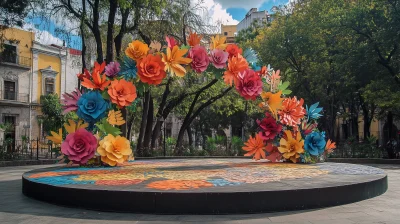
[39, 48]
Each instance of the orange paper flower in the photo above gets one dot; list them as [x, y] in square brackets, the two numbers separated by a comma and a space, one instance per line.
[291, 147]
[151, 69]
[137, 50]
[235, 66]
[174, 60]
[292, 111]
[218, 42]
[194, 39]
[99, 82]
[255, 146]
[56, 138]
[330, 146]
[272, 101]
[122, 92]
[114, 150]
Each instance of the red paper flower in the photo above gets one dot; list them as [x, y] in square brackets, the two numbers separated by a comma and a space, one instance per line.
[233, 50]
[249, 84]
[269, 127]
[200, 59]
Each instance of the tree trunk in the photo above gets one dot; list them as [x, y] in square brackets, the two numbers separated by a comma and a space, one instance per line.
[189, 119]
[129, 127]
[190, 137]
[156, 133]
[110, 31]
[142, 130]
[149, 127]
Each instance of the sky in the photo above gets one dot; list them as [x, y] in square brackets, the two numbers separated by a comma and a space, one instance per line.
[227, 12]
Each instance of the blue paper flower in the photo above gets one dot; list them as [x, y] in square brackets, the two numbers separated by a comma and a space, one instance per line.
[128, 69]
[315, 143]
[250, 55]
[91, 107]
[314, 111]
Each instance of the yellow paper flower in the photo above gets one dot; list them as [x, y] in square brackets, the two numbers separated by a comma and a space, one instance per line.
[114, 150]
[137, 50]
[56, 138]
[218, 42]
[115, 117]
[174, 60]
[72, 126]
[272, 101]
[291, 147]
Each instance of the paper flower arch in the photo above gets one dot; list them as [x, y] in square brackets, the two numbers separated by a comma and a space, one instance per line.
[110, 88]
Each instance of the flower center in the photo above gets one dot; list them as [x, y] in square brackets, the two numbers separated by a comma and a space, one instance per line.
[90, 105]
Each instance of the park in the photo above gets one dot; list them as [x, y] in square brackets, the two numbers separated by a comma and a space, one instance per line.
[178, 111]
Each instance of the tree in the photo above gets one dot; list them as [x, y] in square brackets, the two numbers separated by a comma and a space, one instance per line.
[52, 118]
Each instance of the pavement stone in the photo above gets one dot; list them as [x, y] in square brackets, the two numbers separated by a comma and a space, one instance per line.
[16, 208]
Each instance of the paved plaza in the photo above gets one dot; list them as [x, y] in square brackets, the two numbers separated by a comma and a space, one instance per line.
[17, 208]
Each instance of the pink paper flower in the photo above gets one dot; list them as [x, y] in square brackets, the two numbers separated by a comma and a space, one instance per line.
[171, 42]
[249, 84]
[112, 69]
[79, 146]
[218, 58]
[199, 57]
[70, 101]
[269, 127]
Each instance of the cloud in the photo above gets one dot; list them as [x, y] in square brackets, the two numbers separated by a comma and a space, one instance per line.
[217, 13]
[43, 36]
[247, 4]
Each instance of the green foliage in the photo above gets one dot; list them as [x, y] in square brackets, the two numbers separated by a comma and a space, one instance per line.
[52, 118]
[107, 128]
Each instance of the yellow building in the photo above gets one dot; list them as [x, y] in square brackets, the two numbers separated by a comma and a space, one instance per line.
[53, 72]
[229, 31]
[29, 70]
[15, 82]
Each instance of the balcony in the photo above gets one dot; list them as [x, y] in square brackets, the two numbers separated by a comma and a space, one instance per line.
[13, 98]
[14, 60]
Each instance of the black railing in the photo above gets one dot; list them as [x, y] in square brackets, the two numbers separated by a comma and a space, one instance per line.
[18, 60]
[14, 96]
[26, 150]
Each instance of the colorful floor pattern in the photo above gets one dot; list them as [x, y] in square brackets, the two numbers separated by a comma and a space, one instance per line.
[189, 174]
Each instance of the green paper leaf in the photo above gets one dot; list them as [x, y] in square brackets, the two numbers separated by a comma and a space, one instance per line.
[283, 87]
[105, 95]
[107, 128]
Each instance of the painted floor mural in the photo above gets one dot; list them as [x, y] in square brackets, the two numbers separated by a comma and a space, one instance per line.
[188, 174]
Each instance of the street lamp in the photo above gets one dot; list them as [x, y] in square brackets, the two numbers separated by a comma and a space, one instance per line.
[162, 120]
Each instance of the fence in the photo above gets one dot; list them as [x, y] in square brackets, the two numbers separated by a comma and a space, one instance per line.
[25, 150]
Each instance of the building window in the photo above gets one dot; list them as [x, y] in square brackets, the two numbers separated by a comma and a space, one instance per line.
[10, 92]
[9, 53]
[49, 86]
[226, 33]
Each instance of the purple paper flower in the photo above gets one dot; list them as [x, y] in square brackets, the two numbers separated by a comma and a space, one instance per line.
[112, 69]
[70, 101]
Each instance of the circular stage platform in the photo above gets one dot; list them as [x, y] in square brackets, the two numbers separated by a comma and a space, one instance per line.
[205, 186]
